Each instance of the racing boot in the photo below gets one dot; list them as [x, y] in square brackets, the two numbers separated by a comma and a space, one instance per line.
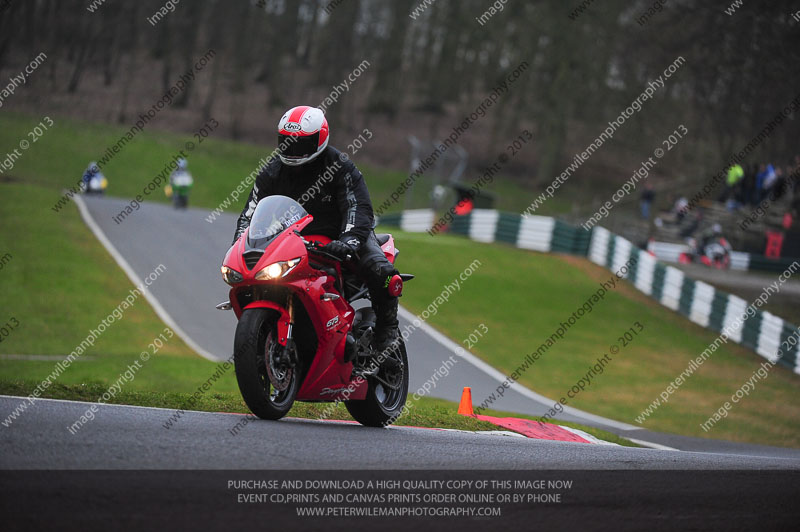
[387, 334]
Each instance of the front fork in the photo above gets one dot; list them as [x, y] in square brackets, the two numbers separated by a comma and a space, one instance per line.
[288, 354]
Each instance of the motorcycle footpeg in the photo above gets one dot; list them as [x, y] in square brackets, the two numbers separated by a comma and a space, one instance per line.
[370, 370]
[359, 351]
[392, 364]
[364, 344]
[366, 338]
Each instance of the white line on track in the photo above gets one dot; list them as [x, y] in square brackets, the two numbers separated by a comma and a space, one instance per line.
[653, 445]
[120, 260]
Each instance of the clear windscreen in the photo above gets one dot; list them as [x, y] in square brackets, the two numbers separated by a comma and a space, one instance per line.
[272, 215]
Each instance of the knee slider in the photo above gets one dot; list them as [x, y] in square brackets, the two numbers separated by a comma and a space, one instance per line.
[380, 272]
[379, 269]
[385, 269]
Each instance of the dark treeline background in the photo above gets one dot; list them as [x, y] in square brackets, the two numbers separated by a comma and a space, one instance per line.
[426, 73]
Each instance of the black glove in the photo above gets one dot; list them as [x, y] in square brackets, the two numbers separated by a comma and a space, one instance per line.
[340, 250]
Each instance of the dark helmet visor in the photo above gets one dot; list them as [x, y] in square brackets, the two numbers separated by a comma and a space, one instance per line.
[296, 147]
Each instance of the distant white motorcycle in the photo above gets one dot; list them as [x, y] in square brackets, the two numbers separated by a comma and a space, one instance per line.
[96, 185]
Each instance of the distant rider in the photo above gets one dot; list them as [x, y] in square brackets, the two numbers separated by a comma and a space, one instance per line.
[93, 181]
[709, 236]
[181, 183]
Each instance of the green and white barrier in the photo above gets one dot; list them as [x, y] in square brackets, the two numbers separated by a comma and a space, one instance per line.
[714, 309]
[700, 302]
[413, 221]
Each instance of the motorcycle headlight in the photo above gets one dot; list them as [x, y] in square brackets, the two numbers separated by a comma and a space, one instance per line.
[276, 270]
[231, 276]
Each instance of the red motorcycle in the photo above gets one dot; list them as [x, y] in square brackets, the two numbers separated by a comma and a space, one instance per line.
[715, 254]
[298, 336]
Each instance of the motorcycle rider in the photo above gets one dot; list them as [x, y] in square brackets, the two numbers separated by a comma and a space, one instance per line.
[709, 236]
[713, 246]
[181, 182]
[93, 181]
[333, 191]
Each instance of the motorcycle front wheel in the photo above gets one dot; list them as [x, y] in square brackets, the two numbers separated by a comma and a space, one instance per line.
[254, 347]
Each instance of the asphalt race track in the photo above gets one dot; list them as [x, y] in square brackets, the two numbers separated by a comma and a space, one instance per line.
[124, 467]
[125, 437]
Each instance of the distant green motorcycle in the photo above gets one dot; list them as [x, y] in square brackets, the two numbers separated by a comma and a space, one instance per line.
[180, 184]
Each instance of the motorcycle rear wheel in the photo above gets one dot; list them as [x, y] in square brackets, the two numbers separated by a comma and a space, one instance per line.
[382, 405]
[256, 335]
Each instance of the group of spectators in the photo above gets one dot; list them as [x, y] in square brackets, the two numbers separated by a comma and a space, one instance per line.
[745, 188]
[758, 182]
[752, 189]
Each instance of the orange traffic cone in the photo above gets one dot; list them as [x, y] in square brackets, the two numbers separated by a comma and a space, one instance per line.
[465, 406]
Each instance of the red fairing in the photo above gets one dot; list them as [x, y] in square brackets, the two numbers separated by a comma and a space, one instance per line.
[329, 377]
[283, 320]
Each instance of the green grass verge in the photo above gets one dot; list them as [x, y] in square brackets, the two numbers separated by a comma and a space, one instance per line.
[60, 283]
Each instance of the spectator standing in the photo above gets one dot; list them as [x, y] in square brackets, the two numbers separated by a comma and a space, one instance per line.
[764, 181]
[732, 185]
[646, 201]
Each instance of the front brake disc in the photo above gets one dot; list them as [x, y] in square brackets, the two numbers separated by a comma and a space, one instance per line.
[280, 375]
